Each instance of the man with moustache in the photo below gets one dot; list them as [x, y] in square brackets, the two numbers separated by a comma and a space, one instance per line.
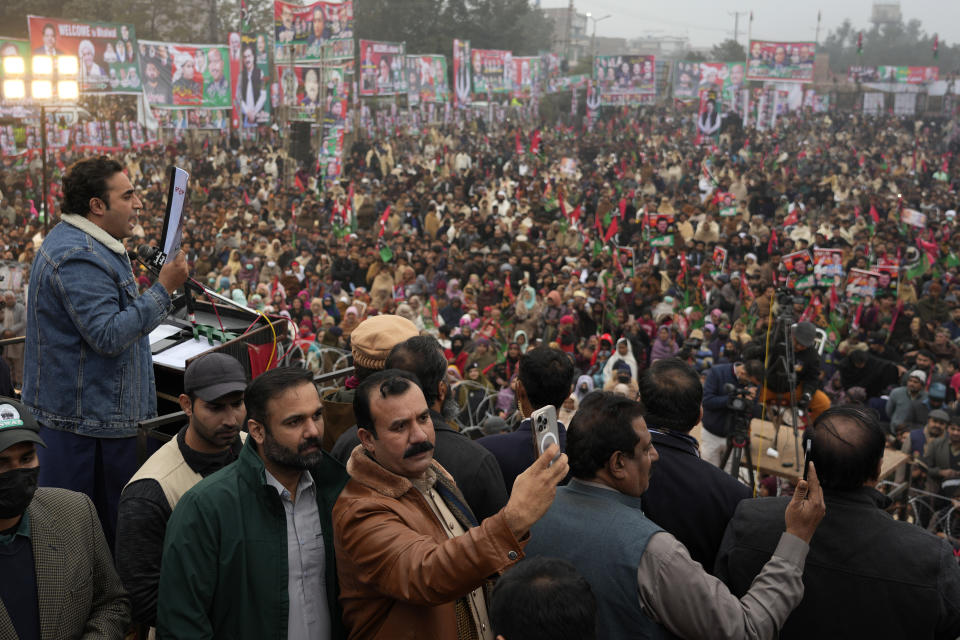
[213, 403]
[412, 560]
[249, 550]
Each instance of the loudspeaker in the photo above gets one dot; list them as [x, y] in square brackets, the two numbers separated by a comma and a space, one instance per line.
[300, 138]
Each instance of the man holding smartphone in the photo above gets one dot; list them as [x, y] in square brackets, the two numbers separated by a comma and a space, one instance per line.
[644, 579]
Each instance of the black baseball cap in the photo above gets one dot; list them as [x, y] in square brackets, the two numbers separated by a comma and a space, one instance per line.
[213, 376]
[17, 424]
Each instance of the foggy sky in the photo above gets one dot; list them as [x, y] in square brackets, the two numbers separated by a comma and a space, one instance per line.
[707, 22]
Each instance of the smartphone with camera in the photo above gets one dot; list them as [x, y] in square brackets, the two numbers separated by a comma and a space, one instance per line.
[806, 457]
[545, 429]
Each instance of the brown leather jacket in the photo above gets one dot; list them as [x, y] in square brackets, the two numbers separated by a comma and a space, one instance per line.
[400, 574]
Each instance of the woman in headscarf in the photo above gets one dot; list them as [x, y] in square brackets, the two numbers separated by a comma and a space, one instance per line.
[404, 310]
[234, 265]
[330, 306]
[622, 353]
[527, 312]
[456, 355]
[664, 346]
[351, 318]
[583, 387]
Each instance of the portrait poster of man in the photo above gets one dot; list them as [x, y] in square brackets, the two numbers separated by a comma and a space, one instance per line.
[461, 71]
[726, 80]
[686, 78]
[382, 68]
[889, 276]
[828, 266]
[782, 61]
[799, 267]
[107, 52]
[525, 76]
[250, 80]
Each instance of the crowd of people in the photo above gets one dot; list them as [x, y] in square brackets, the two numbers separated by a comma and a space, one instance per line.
[627, 272]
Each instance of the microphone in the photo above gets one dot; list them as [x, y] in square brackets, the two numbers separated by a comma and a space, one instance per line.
[152, 258]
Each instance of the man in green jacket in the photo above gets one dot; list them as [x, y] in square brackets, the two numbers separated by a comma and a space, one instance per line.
[249, 550]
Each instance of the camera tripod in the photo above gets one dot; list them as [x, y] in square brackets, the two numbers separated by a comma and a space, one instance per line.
[738, 445]
[786, 360]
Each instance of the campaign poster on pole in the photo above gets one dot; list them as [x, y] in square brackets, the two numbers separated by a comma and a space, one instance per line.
[490, 71]
[625, 79]
[107, 52]
[190, 75]
[781, 61]
[686, 77]
[250, 79]
[312, 32]
[461, 72]
[382, 68]
[427, 79]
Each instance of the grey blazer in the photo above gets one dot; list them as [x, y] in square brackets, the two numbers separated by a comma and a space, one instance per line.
[78, 591]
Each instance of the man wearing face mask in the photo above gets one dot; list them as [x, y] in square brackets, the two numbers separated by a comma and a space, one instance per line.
[58, 580]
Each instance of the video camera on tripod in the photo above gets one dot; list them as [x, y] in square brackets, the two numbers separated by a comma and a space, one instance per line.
[740, 404]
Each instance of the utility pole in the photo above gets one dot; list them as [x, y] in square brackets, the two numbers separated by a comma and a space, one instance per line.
[736, 23]
[816, 38]
[568, 34]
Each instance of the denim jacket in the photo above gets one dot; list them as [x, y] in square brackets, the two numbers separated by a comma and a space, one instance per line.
[87, 362]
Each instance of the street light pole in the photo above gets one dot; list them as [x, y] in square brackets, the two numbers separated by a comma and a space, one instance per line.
[593, 36]
[43, 162]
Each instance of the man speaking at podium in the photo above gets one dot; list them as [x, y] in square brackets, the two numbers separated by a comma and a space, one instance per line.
[88, 372]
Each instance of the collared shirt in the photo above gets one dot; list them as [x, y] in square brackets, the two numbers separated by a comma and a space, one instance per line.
[453, 528]
[308, 617]
[23, 529]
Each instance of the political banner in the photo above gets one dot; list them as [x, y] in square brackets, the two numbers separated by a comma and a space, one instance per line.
[186, 75]
[889, 275]
[300, 90]
[726, 80]
[894, 74]
[566, 83]
[913, 218]
[625, 79]
[686, 78]
[828, 266]
[107, 52]
[781, 61]
[427, 79]
[490, 69]
[524, 76]
[381, 68]
[726, 204]
[313, 32]
[461, 72]
[183, 119]
[250, 78]
[862, 284]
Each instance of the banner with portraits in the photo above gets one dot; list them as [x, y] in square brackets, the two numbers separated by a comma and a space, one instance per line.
[625, 79]
[250, 79]
[313, 32]
[490, 68]
[862, 284]
[898, 75]
[799, 268]
[382, 68]
[299, 89]
[107, 52]
[427, 79]
[726, 80]
[185, 75]
[525, 76]
[781, 61]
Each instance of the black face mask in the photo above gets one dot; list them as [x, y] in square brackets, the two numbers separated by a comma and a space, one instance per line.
[16, 491]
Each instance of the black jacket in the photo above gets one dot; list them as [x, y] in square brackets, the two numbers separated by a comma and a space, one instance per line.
[689, 497]
[866, 576]
[473, 468]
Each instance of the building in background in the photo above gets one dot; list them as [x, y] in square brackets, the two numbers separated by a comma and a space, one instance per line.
[570, 35]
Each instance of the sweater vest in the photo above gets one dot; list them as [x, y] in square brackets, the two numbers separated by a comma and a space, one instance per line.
[603, 533]
[168, 467]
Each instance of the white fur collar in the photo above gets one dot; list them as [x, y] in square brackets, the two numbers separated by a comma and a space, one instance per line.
[98, 234]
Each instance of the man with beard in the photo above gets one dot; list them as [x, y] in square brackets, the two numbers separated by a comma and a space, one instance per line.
[213, 403]
[223, 572]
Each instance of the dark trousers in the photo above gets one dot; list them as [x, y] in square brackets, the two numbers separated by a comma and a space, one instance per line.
[98, 467]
